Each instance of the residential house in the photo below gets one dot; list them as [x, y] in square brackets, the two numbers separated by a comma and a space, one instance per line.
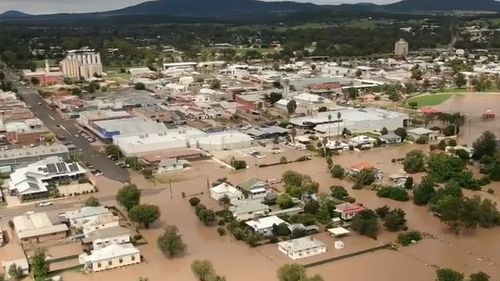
[397, 180]
[264, 226]
[100, 222]
[171, 165]
[33, 228]
[390, 138]
[362, 141]
[111, 256]
[247, 210]
[423, 132]
[360, 166]
[302, 247]
[225, 189]
[255, 188]
[37, 179]
[347, 211]
[104, 237]
[83, 215]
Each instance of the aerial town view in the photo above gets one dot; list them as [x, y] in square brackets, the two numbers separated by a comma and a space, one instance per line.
[245, 140]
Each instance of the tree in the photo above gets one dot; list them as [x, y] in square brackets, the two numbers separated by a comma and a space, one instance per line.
[443, 167]
[365, 177]
[92, 202]
[339, 192]
[414, 162]
[485, 145]
[206, 216]
[480, 276]
[382, 211]
[281, 229]
[291, 106]
[401, 132]
[292, 178]
[147, 172]
[15, 272]
[194, 201]
[446, 274]
[311, 207]
[409, 183]
[274, 97]
[423, 192]
[35, 81]
[283, 160]
[113, 150]
[202, 269]
[285, 201]
[417, 73]
[366, 223]
[384, 131]
[337, 172]
[293, 134]
[128, 196]
[395, 220]
[170, 242]
[225, 201]
[460, 80]
[292, 272]
[140, 86]
[39, 265]
[144, 214]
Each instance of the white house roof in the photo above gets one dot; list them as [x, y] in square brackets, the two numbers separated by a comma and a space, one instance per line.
[265, 223]
[248, 206]
[86, 212]
[338, 231]
[104, 233]
[111, 251]
[32, 179]
[420, 131]
[225, 188]
[301, 244]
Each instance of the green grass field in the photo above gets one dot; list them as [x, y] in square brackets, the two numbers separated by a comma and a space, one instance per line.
[431, 99]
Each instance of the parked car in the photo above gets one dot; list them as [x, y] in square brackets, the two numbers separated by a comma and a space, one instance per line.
[45, 204]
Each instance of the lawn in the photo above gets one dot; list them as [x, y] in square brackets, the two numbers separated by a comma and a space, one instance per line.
[431, 99]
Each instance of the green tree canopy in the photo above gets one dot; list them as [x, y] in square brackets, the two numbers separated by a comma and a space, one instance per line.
[128, 196]
[144, 214]
[170, 242]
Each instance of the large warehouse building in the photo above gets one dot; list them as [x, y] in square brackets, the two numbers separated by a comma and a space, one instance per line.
[181, 138]
[354, 119]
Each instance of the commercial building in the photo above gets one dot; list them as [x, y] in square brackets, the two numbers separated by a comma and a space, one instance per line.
[160, 113]
[26, 132]
[109, 257]
[302, 247]
[356, 120]
[80, 64]
[107, 129]
[401, 48]
[35, 180]
[12, 159]
[33, 228]
[181, 138]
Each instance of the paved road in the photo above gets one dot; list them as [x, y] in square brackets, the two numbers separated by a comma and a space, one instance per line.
[62, 205]
[68, 128]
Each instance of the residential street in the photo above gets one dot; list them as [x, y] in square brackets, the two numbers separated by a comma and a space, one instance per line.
[68, 128]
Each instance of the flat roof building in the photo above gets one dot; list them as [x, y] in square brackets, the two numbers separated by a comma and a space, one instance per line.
[33, 228]
[12, 159]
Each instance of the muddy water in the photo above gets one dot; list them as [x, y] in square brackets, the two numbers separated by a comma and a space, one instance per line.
[473, 251]
[474, 105]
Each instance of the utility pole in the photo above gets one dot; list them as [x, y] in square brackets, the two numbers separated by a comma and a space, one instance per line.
[170, 187]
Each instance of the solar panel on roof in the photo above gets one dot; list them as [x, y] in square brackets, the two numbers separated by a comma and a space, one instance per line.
[61, 167]
[52, 168]
[73, 167]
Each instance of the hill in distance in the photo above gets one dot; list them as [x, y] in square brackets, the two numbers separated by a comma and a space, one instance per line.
[251, 9]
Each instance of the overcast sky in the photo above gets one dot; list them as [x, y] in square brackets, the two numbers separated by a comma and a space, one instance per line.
[59, 6]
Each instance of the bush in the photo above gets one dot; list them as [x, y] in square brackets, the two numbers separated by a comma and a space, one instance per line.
[414, 162]
[421, 140]
[337, 172]
[302, 159]
[393, 193]
[406, 239]
[238, 164]
[490, 191]
[283, 160]
[194, 201]
[221, 230]
[449, 130]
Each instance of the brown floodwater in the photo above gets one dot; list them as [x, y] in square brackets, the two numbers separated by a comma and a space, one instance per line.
[470, 252]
